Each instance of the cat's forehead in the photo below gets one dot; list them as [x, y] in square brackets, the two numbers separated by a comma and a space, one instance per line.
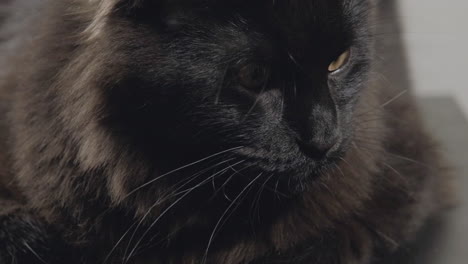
[288, 15]
[303, 21]
[287, 9]
[302, 26]
[295, 15]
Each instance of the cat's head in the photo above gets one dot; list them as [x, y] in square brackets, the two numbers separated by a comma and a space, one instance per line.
[278, 79]
[166, 95]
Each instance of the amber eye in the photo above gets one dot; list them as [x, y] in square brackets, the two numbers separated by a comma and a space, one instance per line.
[253, 76]
[339, 62]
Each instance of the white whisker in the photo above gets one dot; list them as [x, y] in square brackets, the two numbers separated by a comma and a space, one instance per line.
[224, 214]
[178, 169]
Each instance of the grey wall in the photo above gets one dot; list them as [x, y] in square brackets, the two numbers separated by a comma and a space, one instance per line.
[436, 36]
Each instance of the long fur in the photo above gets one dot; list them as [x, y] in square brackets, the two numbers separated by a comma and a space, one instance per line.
[93, 175]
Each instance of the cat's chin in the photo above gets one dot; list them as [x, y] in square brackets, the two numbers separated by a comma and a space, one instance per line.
[301, 179]
[290, 177]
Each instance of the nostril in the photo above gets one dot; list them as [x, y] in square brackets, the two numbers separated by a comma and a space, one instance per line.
[318, 149]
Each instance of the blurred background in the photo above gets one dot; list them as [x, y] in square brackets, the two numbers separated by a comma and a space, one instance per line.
[435, 34]
[426, 49]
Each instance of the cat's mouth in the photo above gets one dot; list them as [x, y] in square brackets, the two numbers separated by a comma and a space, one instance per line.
[293, 170]
[320, 151]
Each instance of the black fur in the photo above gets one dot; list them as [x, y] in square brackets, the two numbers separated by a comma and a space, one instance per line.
[132, 135]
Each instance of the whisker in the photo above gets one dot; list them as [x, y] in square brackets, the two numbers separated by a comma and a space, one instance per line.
[229, 179]
[399, 156]
[352, 168]
[220, 88]
[224, 214]
[396, 97]
[178, 192]
[276, 187]
[161, 215]
[34, 253]
[257, 99]
[118, 242]
[230, 200]
[154, 223]
[159, 201]
[369, 141]
[256, 204]
[383, 162]
[179, 169]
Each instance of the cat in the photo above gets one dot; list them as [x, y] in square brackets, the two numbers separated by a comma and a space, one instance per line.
[203, 131]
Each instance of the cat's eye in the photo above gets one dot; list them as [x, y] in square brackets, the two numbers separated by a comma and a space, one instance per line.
[339, 62]
[253, 76]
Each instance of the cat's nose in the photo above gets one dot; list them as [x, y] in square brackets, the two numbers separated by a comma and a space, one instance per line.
[319, 148]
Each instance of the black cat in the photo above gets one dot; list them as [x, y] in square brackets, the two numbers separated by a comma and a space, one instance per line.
[203, 131]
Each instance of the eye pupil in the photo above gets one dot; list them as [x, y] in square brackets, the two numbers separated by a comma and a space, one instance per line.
[253, 76]
[341, 61]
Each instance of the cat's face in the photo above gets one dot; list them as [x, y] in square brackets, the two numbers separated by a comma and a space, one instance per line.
[270, 84]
